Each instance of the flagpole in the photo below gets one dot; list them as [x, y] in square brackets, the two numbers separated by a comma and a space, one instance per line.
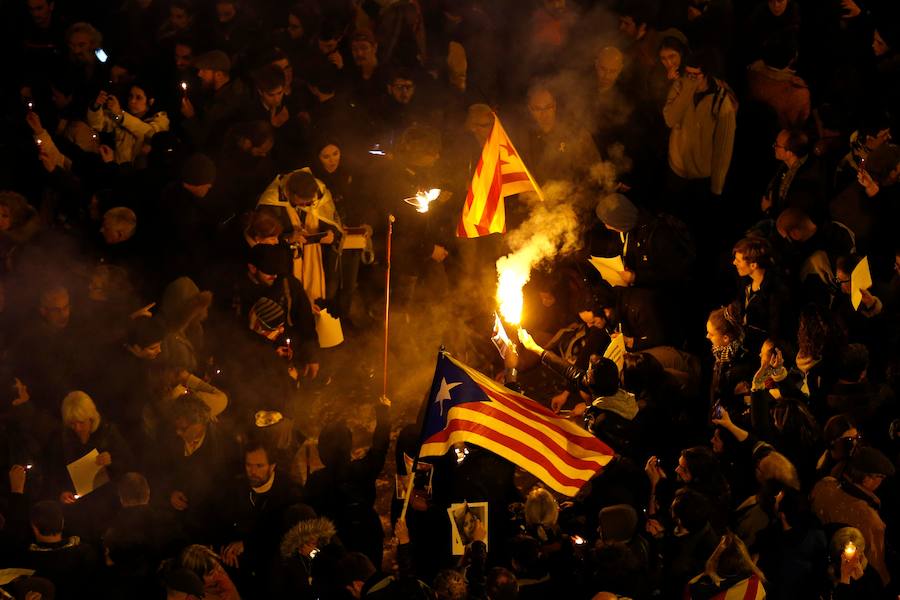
[387, 305]
[424, 416]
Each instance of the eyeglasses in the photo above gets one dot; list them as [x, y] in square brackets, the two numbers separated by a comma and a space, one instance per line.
[404, 87]
[691, 75]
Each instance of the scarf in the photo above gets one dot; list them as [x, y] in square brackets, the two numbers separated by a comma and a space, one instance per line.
[725, 354]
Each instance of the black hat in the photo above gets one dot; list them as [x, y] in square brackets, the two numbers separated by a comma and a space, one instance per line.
[198, 169]
[183, 580]
[270, 259]
[872, 462]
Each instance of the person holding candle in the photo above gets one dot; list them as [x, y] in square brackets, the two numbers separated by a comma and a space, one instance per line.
[132, 126]
[850, 499]
[851, 575]
[85, 430]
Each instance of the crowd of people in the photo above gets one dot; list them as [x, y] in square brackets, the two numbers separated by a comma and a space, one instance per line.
[195, 207]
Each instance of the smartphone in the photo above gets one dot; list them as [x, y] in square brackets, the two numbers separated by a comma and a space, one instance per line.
[717, 411]
[101, 55]
[29, 104]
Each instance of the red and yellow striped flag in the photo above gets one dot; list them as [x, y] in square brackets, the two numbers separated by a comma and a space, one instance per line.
[500, 173]
[467, 406]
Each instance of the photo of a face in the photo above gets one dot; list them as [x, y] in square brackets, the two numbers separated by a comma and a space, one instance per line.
[465, 519]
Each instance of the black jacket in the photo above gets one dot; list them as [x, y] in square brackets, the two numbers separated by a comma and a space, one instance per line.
[344, 490]
[256, 519]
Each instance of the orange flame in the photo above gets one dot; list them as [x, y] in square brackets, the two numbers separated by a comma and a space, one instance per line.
[422, 200]
[509, 293]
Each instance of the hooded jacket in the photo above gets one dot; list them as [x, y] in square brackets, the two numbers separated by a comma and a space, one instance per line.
[703, 127]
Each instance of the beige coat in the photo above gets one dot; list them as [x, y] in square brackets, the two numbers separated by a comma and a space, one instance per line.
[702, 137]
[131, 133]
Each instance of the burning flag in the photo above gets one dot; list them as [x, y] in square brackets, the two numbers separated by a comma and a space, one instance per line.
[500, 173]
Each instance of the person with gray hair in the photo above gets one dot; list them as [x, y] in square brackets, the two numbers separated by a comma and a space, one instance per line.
[119, 225]
[83, 39]
[85, 430]
[85, 433]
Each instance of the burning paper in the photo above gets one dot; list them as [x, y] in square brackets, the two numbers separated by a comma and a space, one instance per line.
[422, 200]
[501, 340]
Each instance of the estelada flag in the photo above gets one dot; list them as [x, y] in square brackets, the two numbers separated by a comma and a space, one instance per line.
[467, 406]
[500, 173]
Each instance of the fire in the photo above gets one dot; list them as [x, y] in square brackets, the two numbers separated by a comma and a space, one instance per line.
[422, 200]
[509, 293]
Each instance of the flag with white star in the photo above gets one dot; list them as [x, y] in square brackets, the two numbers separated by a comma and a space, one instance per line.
[467, 406]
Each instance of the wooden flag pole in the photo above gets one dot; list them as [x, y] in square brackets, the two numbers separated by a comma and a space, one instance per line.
[387, 305]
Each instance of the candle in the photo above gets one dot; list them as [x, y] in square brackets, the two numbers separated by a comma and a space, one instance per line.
[849, 551]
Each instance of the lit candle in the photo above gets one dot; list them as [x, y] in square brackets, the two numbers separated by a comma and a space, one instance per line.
[849, 551]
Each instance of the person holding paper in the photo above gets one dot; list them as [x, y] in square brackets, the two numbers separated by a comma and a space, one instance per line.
[862, 323]
[81, 489]
[655, 250]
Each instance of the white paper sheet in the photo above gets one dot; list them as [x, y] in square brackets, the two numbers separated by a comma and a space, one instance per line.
[9, 575]
[86, 474]
[860, 279]
[609, 269]
[616, 350]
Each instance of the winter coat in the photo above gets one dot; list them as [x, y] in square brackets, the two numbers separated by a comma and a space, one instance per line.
[344, 490]
[840, 501]
[131, 133]
[703, 127]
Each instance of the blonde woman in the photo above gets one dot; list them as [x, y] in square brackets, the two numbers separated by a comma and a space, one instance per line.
[729, 571]
[85, 430]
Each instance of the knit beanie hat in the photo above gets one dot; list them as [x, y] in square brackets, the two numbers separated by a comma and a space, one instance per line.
[617, 211]
[198, 169]
[266, 316]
